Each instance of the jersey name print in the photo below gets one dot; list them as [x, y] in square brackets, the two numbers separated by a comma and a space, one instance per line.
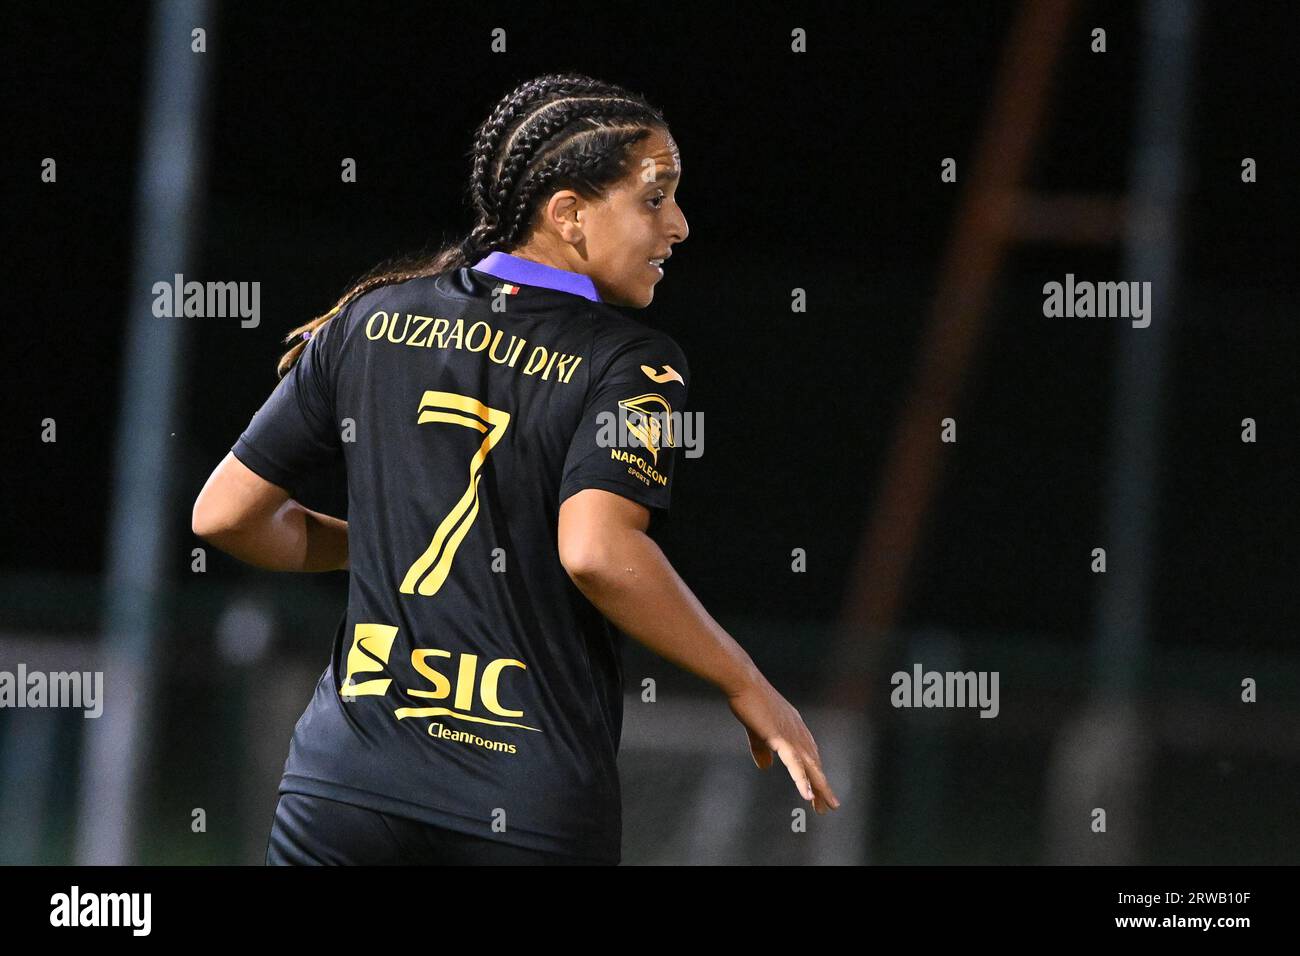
[425, 331]
[470, 684]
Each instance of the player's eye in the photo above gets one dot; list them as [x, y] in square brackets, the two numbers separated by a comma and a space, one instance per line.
[658, 200]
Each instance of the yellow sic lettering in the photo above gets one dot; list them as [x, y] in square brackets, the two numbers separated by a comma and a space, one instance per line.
[441, 686]
[491, 677]
[465, 682]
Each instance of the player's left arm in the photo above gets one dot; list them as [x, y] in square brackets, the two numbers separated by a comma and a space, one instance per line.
[257, 521]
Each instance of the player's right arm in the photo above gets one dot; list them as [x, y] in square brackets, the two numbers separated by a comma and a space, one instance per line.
[607, 554]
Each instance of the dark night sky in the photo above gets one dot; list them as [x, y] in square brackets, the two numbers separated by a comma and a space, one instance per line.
[818, 171]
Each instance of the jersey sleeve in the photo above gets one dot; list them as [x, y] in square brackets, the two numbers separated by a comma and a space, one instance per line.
[295, 430]
[629, 436]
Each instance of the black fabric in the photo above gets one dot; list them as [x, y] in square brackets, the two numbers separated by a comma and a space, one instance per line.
[313, 831]
[484, 685]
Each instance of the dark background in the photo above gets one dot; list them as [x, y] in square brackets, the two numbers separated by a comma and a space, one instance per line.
[818, 171]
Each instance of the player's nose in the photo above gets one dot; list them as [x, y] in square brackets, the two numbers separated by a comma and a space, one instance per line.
[680, 229]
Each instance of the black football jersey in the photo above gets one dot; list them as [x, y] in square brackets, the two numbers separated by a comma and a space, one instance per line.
[471, 685]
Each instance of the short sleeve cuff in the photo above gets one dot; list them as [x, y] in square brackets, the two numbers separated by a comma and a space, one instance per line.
[642, 496]
[261, 465]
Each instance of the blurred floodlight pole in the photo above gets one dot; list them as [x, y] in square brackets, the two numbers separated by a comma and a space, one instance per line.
[1102, 757]
[1150, 254]
[139, 555]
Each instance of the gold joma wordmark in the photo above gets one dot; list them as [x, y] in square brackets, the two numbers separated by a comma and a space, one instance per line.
[430, 569]
[669, 374]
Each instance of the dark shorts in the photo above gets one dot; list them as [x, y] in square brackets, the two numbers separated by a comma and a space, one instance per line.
[314, 831]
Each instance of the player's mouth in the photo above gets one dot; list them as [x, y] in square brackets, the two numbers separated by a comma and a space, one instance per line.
[658, 264]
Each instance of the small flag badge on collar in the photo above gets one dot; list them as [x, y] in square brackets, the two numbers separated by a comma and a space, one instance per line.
[507, 288]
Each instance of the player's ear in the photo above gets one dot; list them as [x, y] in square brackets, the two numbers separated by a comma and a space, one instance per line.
[564, 213]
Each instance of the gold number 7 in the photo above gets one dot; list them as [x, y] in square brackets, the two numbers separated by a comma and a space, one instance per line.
[431, 568]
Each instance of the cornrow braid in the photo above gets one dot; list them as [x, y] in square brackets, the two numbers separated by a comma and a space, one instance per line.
[521, 100]
[576, 167]
[508, 111]
[535, 134]
[550, 117]
[557, 131]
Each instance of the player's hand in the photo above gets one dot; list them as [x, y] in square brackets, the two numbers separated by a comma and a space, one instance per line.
[774, 726]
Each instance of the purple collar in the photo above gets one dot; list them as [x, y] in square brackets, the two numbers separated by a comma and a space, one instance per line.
[503, 265]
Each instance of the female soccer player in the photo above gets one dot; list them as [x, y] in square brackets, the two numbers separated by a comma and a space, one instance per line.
[505, 430]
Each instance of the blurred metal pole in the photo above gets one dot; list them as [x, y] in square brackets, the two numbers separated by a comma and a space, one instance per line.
[30, 745]
[27, 757]
[1150, 253]
[139, 554]
[1102, 757]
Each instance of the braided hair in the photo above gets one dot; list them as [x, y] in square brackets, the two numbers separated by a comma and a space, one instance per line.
[558, 131]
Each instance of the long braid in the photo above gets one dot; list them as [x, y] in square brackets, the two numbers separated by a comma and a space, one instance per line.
[561, 130]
